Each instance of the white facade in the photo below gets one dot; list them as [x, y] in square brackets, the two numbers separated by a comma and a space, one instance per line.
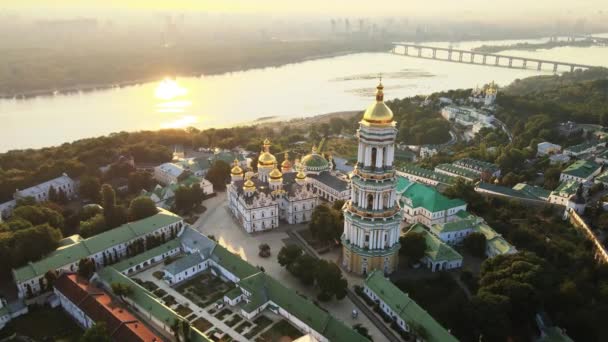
[73, 310]
[422, 215]
[167, 173]
[428, 151]
[40, 193]
[117, 251]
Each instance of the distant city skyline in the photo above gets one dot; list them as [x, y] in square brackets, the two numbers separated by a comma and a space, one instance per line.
[467, 9]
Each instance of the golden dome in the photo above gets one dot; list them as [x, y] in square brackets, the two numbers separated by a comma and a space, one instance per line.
[286, 164]
[301, 174]
[378, 112]
[249, 184]
[275, 174]
[266, 158]
[236, 170]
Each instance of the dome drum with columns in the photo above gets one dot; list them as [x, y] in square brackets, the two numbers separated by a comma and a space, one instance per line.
[372, 216]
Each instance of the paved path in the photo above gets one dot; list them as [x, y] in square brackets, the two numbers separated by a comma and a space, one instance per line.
[181, 299]
[217, 221]
[351, 295]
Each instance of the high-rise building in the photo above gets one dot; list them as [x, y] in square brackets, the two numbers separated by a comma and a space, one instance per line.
[372, 217]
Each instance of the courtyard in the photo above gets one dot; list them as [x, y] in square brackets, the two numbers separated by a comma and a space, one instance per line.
[218, 222]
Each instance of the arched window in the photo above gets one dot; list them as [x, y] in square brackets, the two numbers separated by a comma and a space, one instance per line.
[370, 201]
[374, 152]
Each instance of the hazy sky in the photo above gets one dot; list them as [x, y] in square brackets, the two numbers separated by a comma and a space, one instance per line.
[366, 8]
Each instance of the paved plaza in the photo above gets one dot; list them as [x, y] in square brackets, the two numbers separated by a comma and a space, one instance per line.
[218, 221]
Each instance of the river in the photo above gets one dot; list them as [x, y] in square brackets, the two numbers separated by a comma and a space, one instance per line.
[294, 90]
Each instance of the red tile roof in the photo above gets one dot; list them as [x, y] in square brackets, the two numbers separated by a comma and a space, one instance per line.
[97, 305]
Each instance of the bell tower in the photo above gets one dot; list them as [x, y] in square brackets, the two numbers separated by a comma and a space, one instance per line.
[372, 216]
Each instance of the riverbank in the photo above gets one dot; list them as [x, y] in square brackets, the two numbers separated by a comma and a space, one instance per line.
[534, 46]
[42, 77]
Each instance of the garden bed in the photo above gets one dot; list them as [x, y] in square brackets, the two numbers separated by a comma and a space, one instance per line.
[261, 323]
[234, 320]
[222, 314]
[279, 331]
[183, 310]
[202, 324]
[241, 327]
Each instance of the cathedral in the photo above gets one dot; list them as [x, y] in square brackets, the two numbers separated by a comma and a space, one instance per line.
[372, 216]
[259, 201]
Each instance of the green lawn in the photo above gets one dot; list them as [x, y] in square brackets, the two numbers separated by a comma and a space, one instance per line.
[44, 324]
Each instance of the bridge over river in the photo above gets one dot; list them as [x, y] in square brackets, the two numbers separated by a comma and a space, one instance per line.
[482, 58]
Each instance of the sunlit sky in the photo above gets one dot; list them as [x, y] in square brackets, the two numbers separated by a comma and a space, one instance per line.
[334, 7]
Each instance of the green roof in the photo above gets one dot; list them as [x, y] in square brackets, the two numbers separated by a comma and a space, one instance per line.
[425, 196]
[227, 157]
[265, 288]
[580, 147]
[95, 244]
[477, 165]
[602, 177]
[233, 262]
[455, 226]
[149, 254]
[495, 240]
[532, 190]
[428, 174]
[235, 292]
[140, 295]
[567, 188]
[518, 191]
[407, 308]
[457, 170]
[581, 168]
[436, 249]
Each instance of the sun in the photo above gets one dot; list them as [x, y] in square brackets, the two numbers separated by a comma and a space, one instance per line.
[169, 89]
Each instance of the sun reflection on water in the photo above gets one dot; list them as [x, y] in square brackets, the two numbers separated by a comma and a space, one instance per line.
[168, 89]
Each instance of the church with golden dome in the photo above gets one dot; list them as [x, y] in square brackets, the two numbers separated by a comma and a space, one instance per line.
[286, 193]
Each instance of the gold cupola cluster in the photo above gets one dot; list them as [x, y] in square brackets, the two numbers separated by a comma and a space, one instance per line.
[266, 158]
[286, 165]
[275, 175]
[249, 185]
[236, 169]
[378, 112]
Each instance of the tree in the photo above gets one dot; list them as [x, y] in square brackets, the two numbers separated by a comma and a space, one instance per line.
[90, 188]
[108, 198]
[363, 331]
[304, 267]
[187, 198]
[93, 226]
[97, 333]
[181, 330]
[288, 254]
[219, 174]
[264, 250]
[338, 204]
[475, 243]
[413, 246]
[139, 180]
[37, 215]
[330, 280]
[324, 224]
[50, 276]
[142, 207]
[52, 194]
[552, 178]
[86, 268]
[121, 290]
